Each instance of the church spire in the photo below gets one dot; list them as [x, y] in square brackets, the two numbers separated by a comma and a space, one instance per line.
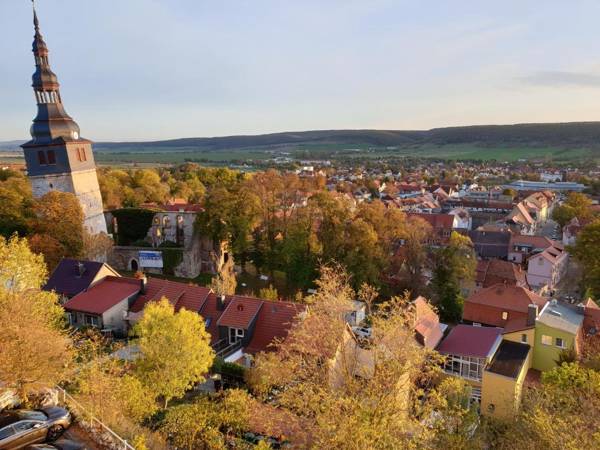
[52, 121]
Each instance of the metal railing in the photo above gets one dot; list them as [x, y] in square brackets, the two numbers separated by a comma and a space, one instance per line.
[223, 348]
[68, 400]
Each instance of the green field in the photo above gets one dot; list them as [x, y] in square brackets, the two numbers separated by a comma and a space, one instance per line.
[151, 156]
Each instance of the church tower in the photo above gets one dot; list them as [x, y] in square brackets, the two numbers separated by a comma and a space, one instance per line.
[57, 157]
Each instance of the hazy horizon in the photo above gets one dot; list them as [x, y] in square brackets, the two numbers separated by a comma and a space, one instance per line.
[153, 70]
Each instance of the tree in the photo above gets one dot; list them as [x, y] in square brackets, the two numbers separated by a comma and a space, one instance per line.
[586, 252]
[20, 268]
[413, 254]
[556, 415]
[453, 265]
[353, 396]
[96, 247]
[224, 283]
[59, 215]
[205, 423]
[175, 350]
[36, 351]
[576, 205]
[268, 293]
[15, 205]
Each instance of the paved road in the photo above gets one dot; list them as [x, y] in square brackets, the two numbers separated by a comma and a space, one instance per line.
[550, 229]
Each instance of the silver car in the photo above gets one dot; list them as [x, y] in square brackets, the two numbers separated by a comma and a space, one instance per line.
[22, 427]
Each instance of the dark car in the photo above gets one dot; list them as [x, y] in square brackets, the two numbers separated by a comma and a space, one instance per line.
[22, 427]
[61, 444]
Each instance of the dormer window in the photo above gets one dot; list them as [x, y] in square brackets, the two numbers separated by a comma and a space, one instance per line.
[51, 157]
[235, 335]
[42, 158]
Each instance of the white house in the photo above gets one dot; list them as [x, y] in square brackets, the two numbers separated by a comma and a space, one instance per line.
[547, 268]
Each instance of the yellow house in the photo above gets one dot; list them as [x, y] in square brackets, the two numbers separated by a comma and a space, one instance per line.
[503, 378]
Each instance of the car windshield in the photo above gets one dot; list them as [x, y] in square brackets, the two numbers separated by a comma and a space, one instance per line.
[32, 415]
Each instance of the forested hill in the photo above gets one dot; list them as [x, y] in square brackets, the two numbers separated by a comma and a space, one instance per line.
[574, 134]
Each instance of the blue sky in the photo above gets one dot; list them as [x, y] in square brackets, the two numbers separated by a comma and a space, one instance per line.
[157, 69]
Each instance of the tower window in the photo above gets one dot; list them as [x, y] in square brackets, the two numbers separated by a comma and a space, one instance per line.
[81, 156]
[51, 157]
[42, 157]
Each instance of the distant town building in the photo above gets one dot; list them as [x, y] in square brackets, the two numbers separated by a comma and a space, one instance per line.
[563, 186]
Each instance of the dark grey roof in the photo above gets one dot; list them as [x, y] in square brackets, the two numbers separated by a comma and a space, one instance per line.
[490, 244]
[67, 279]
[509, 359]
[561, 316]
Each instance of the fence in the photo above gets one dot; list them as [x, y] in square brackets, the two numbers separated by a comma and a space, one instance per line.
[68, 400]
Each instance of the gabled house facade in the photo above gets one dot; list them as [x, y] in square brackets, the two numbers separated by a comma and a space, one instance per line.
[500, 304]
[468, 351]
[104, 305]
[547, 269]
[73, 276]
[521, 247]
[557, 328]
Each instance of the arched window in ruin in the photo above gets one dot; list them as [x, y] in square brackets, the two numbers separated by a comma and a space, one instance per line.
[180, 231]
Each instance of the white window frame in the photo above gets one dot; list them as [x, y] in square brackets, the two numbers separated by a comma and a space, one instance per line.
[470, 368]
[563, 345]
[238, 335]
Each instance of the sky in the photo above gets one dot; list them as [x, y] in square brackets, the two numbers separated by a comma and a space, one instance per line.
[160, 69]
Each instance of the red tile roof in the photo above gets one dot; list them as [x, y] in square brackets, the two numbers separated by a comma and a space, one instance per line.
[466, 340]
[511, 298]
[240, 312]
[274, 321]
[494, 271]
[538, 242]
[437, 221]
[104, 295]
[181, 295]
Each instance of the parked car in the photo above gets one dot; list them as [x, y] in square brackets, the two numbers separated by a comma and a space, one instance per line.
[362, 332]
[22, 427]
[61, 444]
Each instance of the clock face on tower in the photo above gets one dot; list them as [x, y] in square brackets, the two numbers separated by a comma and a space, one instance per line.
[75, 135]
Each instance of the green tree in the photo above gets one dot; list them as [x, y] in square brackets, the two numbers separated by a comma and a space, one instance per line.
[269, 293]
[175, 350]
[586, 252]
[453, 265]
[576, 205]
[557, 415]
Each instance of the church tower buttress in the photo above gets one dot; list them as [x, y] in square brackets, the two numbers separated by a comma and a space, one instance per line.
[57, 157]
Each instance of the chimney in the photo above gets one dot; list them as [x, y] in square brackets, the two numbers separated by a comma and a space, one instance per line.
[80, 269]
[143, 281]
[532, 313]
[220, 302]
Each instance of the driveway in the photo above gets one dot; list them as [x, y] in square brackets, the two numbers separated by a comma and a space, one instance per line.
[550, 230]
[78, 434]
